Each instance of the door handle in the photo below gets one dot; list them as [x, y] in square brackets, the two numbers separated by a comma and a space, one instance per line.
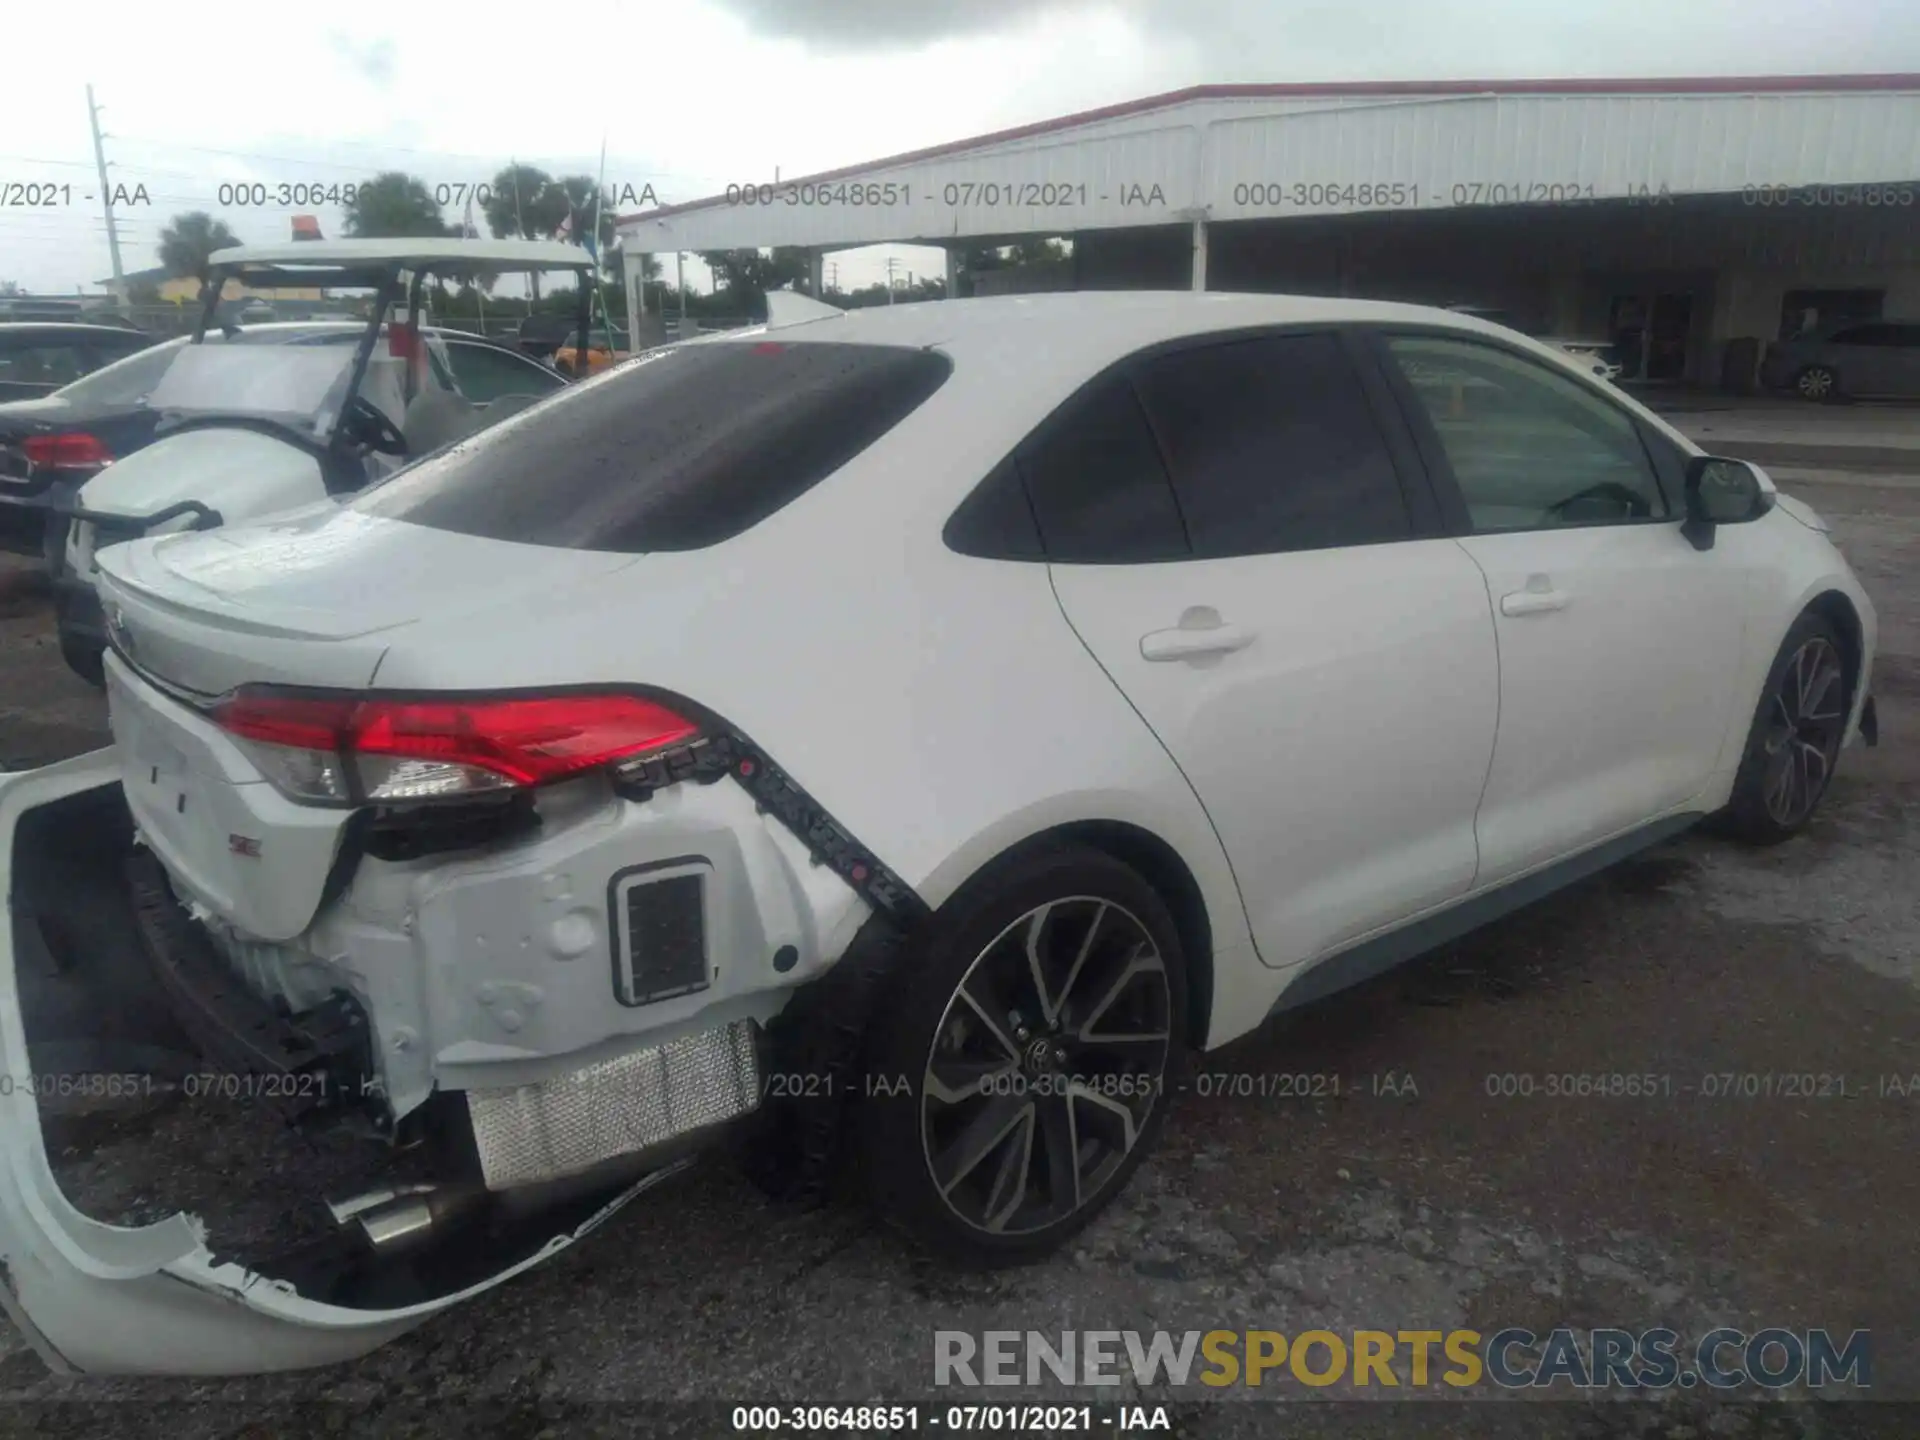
[1182, 644]
[1534, 602]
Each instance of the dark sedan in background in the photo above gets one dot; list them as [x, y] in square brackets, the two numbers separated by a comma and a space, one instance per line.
[38, 357]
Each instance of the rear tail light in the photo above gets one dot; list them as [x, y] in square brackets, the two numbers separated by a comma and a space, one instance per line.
[70, 450]
[348, 749]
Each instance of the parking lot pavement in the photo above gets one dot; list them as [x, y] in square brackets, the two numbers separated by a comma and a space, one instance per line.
[1423, 1196]
[46, 711]
[1772, 430]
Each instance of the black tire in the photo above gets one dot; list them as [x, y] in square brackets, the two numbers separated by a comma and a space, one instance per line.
[1817, 383]
[1794, 741]
[1075, 1104]
[85, 659]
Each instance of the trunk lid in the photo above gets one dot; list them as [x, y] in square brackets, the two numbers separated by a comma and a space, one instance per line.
[309, 599]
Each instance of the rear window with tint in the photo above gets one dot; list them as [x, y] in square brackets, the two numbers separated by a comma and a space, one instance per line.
[676, 451]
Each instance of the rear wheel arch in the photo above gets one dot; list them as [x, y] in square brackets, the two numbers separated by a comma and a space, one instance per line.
[1162, 867]
[824, 1030]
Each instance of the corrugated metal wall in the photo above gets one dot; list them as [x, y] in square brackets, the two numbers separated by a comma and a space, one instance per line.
[1228, 159]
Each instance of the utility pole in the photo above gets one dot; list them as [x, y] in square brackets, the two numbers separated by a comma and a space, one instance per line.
[891, 262]
[106, 202]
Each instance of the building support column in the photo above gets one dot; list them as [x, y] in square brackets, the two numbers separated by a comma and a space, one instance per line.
[816, 273]
[953, 271]
[1199, 256]
[634, 267]
[1563, 302]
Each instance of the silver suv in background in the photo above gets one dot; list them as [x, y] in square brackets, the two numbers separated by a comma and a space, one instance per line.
[1852, 358]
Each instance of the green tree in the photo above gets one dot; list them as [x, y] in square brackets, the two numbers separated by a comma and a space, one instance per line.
[189, 239]
[519, 204]
[395, 203]
[524, 203]
[574, 194]
[1035, 251]
[1032, 251]
[746, 275]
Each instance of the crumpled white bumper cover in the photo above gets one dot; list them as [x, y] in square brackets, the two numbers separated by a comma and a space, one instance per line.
[99, 1298]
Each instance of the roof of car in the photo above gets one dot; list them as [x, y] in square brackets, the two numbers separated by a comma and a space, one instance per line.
[1100, 321]
[410, 251]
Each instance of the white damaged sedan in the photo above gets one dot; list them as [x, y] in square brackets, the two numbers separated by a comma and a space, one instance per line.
[888, 747]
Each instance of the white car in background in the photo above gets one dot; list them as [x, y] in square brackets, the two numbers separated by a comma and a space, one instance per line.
[1594, 354]
[245, 433]
[895, 743]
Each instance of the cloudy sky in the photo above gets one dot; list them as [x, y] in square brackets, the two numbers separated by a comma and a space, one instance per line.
[691, 96]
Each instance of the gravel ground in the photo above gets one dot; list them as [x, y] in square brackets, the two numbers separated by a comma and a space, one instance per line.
[1443, 1208]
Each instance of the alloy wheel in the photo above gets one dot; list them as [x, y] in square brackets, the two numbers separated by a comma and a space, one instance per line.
[1816, 383]
[1806, 721]
[1046, 1063]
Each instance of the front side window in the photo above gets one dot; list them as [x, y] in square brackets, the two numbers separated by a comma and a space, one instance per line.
[1273, 447]
[1529, 449]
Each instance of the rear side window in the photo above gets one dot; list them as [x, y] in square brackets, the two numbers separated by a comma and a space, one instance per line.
[1099, 490]
[51, 364]
[996, 521]
[1273, 447]
[674, 451]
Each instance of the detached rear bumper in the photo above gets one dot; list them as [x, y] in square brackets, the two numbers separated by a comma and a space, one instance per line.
[153, 1299]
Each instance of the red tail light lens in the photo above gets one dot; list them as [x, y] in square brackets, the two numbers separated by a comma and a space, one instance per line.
[423, 749]
[72, 450]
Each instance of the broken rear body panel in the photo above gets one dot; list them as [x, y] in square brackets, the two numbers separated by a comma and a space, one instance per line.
[496, 1038]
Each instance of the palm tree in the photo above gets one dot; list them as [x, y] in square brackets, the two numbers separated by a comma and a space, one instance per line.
[394, 203]
[523, 202]
[189, 240]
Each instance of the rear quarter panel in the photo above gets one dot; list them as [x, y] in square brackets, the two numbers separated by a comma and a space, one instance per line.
[939, 706]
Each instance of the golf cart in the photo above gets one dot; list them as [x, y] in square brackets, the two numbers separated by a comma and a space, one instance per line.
[251, 431]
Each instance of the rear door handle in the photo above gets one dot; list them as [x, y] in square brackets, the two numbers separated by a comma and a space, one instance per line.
[1533, 602]
[1183, 644]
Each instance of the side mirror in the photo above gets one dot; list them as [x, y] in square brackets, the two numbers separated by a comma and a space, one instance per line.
[1719, 492]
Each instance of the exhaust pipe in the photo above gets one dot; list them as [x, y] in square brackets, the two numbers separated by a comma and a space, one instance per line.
[393, 1221]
